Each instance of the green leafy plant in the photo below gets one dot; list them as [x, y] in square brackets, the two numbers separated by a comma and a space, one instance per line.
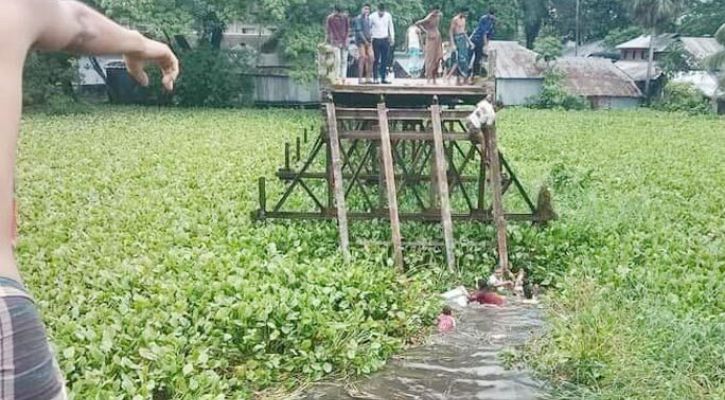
[213, 78]
[683, 97]
[48, 83]
[554, 95]
[154, 283]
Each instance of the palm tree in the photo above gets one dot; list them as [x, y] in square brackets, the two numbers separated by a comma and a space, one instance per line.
[652, 15]
[716, 62]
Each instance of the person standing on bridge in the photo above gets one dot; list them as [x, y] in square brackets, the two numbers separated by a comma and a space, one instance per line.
[433, 43]
[463, 45]
[361, 31]
[338, 29]
[27, 366]
[481, 38]
[383, 34]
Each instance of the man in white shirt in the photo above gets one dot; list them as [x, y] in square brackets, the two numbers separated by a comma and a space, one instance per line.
[383, 34]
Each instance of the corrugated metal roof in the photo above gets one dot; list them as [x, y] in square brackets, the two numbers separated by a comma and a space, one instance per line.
[585, 50]
[596, 77]
[637, 70]
[642, 42]
[700, 47]
[515, 61]
[704, 81]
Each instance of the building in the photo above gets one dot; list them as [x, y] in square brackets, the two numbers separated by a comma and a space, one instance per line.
[272, 81]
[599, 81]
[637, 49]
[592, 49]
[637, 71]
[274, 86]
[518, 76]
[635, 56]
[700, 48]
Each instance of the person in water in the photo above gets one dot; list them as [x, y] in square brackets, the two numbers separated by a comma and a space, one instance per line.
[486, 295]
[520, 283]
[446, 322]
[498, 281]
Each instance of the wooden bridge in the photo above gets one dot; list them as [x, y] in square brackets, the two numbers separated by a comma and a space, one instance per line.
[403, 152]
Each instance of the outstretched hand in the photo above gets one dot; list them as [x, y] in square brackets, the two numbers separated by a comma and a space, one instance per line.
[156, 53]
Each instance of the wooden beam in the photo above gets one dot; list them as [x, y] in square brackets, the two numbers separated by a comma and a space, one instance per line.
[378, 215]
[387, 154]
[334, 147]
[440, 170]
[395, 136]
[489, 133]
[399, 114]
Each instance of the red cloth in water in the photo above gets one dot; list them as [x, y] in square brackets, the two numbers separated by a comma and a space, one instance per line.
[488, 298]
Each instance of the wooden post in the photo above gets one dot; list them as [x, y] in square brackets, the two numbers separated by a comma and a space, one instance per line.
[489, 132]
[442, 180]
[481, 172]
[387, 155]
[434, 194]
[334, 146]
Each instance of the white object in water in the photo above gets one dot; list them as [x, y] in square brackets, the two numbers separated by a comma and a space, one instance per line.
[457, 296]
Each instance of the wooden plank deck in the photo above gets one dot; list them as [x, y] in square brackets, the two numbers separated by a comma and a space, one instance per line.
[413, 87]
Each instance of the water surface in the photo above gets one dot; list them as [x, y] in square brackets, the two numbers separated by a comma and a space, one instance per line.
[461, 365]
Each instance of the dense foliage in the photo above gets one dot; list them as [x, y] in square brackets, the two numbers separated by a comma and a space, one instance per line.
[683, 97]
[702, 17]
[639, 314]
[153, 280]
[554, 95]
[48, 81]
[138, 247]
[213, 78]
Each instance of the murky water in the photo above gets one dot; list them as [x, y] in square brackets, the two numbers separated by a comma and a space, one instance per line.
[460, 365]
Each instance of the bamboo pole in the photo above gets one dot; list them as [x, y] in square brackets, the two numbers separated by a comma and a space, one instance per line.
[387, 155]
[334, 146]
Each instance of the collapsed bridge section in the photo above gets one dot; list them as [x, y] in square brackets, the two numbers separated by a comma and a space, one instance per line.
[403, 152]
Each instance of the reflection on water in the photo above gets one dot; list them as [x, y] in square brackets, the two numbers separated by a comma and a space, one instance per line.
[459, 365]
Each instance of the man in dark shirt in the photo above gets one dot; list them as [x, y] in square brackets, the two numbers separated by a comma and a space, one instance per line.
[481, 37]
[338, 29]
[486, 295]
[364, 42]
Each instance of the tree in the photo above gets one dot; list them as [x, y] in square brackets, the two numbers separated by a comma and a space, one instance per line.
[702, 17]
[619, 36]
[652, 15]
[548, 47]
[534, 13]
[598, 17]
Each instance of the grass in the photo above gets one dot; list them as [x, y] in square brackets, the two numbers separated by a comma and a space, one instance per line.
[137, 244]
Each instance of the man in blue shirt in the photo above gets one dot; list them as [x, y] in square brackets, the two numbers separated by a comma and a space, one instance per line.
[481, 36]
[361, 31]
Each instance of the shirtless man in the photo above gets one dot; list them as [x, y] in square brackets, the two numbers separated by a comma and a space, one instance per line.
[26, 367]
[462, 43]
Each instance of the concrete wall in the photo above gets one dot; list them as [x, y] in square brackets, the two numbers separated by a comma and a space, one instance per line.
[614, 102]
[87, 76]
[517, 92]
[283, 90]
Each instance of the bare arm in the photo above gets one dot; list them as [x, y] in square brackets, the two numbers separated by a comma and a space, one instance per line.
[391, 30]
[72, 26]
[423, 22]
